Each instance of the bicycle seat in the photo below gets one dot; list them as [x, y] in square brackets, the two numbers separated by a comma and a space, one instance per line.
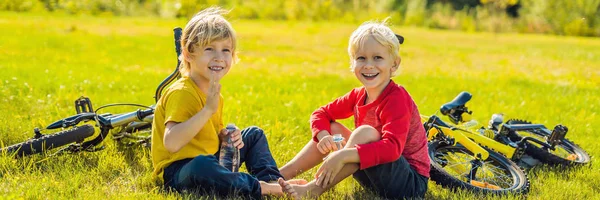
[458, 101]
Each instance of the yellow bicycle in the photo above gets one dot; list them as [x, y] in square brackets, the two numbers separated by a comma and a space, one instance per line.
[458, 161]
[519, 138]
[485, 159]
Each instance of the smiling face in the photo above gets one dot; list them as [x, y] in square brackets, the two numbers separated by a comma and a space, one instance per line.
[374, 64]
[214, 57]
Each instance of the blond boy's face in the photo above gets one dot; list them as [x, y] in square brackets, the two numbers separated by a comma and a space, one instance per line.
[214, 57]
[373, 64]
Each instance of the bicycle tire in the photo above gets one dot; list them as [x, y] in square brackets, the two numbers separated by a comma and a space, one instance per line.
[51, 141]
[520, 181]
[551, 157]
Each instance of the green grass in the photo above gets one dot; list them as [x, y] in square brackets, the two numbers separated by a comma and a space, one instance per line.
[287, 70]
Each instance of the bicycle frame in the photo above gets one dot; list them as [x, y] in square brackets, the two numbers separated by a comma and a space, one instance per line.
[495, 137]
[471, 140]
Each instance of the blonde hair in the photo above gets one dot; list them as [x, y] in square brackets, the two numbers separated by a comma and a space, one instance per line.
[205, 27]
[380, 32]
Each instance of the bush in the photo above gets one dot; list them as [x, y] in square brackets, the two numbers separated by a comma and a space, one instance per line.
[563, 17]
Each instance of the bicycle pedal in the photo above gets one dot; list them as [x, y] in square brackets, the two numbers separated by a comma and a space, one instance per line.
[558, 134]
[83, 104]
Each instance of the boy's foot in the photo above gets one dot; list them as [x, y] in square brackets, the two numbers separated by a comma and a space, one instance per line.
[297, 191]
[297, 181]
[270, 189]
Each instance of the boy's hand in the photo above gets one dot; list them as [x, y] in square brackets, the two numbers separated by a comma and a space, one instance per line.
[236, 137]
[329, 169]
[326, 144]
[214, 92]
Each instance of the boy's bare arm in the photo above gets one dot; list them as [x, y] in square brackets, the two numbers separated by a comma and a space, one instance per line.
[178, 135]
[350, 155]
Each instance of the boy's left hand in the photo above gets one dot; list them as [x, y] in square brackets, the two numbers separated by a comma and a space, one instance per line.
[236, 137]
[329, 169]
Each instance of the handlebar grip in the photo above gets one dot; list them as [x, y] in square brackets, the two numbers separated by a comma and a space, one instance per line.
[177, 33]
[175, 74]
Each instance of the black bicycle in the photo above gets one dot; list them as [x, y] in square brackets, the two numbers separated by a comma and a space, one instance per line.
[130, 128]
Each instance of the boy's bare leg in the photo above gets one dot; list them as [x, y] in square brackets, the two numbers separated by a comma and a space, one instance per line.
[306, 159]
[310, 156]
[362, 135]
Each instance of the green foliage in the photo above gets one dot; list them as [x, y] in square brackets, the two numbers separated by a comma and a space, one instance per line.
[416, 12]
[19, 5]
[562, 17]
[578, 17]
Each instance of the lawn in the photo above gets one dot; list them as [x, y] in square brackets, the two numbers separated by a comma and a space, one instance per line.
[286, 71]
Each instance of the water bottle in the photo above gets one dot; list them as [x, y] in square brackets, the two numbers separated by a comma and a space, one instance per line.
[229, 155]
[337, 138]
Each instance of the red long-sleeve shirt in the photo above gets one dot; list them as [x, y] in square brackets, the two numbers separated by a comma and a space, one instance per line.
[395, 116]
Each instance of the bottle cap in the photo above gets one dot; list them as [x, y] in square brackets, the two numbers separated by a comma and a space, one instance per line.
[230, 125]
[337, 137]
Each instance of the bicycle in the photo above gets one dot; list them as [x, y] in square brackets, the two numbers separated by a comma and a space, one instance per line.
[500, 142]
[548, 146]
[458, 161]
[123, 126]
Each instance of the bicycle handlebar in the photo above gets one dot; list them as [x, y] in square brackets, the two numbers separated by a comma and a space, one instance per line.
[126, 118]
[175, 74]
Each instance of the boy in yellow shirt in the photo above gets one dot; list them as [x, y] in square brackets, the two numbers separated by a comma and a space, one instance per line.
[188, 123]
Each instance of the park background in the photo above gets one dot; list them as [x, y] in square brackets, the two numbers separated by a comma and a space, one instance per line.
[531, 59]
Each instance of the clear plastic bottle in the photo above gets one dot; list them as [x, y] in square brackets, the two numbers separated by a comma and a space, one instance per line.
[229, 155]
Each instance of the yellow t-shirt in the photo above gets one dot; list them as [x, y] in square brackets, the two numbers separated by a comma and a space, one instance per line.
[180, 102]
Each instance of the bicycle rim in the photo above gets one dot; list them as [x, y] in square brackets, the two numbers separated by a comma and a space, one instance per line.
[496, 175]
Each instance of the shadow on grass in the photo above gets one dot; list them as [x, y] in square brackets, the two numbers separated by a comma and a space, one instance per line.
[133, 156]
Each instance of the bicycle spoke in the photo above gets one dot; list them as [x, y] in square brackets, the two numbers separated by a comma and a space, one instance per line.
[499, 175]
[492, 176]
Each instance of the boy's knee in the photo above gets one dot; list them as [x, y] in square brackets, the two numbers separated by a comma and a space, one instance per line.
[206, 168]
[365, 134]
[365, 128]
[254, 132]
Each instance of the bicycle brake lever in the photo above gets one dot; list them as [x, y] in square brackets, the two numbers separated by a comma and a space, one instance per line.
[70, 121]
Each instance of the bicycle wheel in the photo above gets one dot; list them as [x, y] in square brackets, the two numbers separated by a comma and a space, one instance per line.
[451, 165]
[566, 153]
[51, 141]
[132, 136]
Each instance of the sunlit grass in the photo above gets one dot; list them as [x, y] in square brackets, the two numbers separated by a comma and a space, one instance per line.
[287, 70]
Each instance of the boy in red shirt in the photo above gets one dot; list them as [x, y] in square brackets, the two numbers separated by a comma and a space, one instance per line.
[387, 152]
